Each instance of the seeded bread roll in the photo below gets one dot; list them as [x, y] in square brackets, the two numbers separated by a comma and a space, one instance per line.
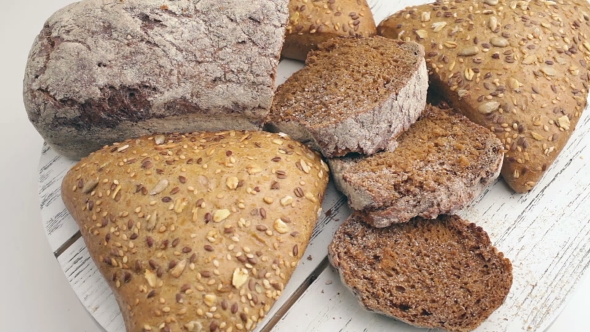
[440, 165]
[312, 23]
[354, 95]
[441, 273]
[197, 232]
[519, 68]
[104, 71]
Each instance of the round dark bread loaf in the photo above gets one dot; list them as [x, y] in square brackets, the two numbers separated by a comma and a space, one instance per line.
[101, 72]
[441, 273]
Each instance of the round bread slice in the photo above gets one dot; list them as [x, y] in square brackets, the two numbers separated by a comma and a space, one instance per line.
[441, 273]
[197, 232]
[354, 95]
[440, 165]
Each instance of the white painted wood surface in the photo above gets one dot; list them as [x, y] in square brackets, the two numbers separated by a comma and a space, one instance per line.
[545, 233]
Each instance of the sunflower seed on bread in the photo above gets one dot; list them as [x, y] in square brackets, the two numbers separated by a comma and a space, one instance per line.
[519, 68]
[197, 232]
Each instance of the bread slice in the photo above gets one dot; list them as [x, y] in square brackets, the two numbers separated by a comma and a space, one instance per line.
[345, 18]
[440, 164]
[441, 273]
[354, 95]
[519, 68]
[186, 225]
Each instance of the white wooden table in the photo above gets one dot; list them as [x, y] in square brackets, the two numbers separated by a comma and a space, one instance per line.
[544, 233]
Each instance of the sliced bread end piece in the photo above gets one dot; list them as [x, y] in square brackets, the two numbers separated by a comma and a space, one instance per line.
[441, 273]
[354, 95]
[441, 164]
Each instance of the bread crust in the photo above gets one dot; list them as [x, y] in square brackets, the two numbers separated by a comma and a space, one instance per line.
[441, 273]
[521, 72]
[183, 225]
[103, 72]
[440, 165]
[339, 18]
[312, 107]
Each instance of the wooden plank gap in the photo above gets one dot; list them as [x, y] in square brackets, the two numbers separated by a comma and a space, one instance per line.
[67, 244]
[296, 295]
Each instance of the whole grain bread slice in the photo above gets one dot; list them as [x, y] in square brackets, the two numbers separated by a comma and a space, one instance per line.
[441, 273]
[440, 165]
[354, 95]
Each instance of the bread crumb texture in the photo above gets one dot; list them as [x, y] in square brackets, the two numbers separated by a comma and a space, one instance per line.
[519, 68]
[440, 164]
[101, 72]
[353, 95]
[197, 232]
[344, 77]
[441, 273]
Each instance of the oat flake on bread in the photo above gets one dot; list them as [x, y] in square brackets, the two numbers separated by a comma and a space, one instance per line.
[519, 68]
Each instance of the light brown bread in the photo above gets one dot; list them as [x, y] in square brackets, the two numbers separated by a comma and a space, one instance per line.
[440, 165]
[354, 95]
[312, 23]
[197, 232]
[519, 68]
[101, 72]
[441, 273]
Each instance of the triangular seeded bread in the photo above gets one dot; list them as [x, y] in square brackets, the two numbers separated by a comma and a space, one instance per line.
[354, 95]
[440, 165]
[441, 273]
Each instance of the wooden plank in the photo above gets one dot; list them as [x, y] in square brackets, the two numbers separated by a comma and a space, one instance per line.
[90, 287]
[58, 224]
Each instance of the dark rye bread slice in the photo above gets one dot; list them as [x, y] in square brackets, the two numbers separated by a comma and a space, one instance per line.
[353, 95]
[440, 165]
[519, 68]
[104, 71]
[441, 273]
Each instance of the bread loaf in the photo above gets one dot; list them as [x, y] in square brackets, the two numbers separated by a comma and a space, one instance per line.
[519, 68]
[441, 273]
[197, 232]
[440, 165]
[354, 95]
[312, 23]
[101, 72]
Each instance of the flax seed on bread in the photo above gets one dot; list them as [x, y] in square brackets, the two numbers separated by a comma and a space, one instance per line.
[441, 273]
[519, 68]
[439, 166]
[182, 226]
[312, 23]
[354, 95]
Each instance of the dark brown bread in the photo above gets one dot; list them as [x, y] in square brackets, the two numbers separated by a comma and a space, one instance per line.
[439, 166]
[441, 273]
[312, 23]
[101, 72]
[519, 68]
[354, 95]
[197, 232]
